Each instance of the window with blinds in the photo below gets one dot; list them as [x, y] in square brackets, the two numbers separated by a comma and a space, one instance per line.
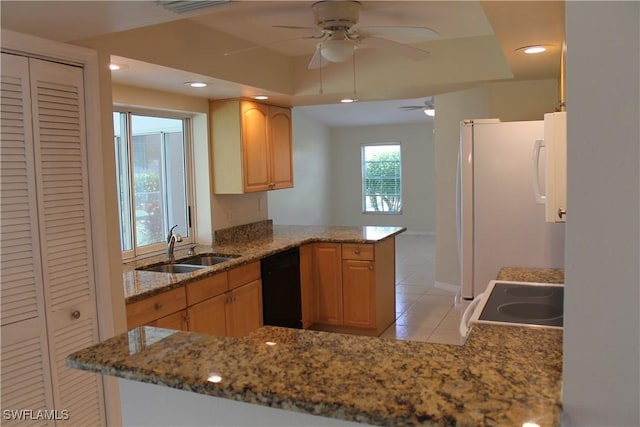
[381, 178]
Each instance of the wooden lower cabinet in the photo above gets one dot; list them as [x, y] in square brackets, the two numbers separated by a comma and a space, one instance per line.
[328, 281]
[358, 294]
[151, 309]
[355, 286]
[208, 316]
[225, 304]
[244, 309]
[177, 321]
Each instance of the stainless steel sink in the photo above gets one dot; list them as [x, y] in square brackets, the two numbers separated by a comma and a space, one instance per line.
[173, 268]
[208, 259]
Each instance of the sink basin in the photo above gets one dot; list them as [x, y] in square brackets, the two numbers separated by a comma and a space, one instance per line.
[173, 268]
[207, 259]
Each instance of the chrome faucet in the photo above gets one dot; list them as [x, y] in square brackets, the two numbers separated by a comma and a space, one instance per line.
[171, 241]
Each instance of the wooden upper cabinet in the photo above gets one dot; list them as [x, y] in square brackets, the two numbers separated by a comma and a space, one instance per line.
[252, 146]
[281, 148]
[255, 146]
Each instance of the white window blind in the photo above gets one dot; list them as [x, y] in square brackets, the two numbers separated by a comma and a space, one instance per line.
[381, 178]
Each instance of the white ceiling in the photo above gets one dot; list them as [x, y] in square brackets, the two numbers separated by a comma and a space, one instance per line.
[458, 23]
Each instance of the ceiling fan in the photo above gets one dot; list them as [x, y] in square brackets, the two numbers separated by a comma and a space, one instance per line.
[428, 108]
[339, 35]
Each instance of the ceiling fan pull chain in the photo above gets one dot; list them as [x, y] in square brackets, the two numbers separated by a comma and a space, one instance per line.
[321, 89]
[355, 96]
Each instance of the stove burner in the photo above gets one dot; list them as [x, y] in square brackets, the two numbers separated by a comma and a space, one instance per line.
[529, 292]
[530, 311]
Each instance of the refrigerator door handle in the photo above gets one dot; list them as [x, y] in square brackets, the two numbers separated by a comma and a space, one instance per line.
[535, 172]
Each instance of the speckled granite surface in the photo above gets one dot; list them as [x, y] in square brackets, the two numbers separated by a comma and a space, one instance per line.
[503, 376]
[541, 275]
[269, 240]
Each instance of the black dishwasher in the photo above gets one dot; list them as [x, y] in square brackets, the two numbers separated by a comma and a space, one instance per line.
[281, 304]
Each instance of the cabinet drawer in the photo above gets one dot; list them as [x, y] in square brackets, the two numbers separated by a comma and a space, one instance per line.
[243, 275]
[155, 307]
[357, 251]
[206, 288]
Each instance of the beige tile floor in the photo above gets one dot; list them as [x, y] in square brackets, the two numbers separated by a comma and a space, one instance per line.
[424, 310]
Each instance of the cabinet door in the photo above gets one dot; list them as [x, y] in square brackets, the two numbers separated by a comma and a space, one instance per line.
[177, 321]
[208, 317]
[328, 280]
[255, 148]
[244, 309]
[280, 148]
[358, 293]
[307, 288]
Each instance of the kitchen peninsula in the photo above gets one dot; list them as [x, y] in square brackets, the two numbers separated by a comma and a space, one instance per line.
[503, 375]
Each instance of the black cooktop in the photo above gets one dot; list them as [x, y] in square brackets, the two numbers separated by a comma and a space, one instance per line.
[525, 304]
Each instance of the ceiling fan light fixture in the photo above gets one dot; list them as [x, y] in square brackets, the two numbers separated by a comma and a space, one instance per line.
[430, 111]
[337, 50]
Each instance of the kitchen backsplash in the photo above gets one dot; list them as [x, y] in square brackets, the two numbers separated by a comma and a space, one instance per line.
[243, 232]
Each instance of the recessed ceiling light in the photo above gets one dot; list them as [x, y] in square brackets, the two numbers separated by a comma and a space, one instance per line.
[114, 67]
[261, 97]
[196, 84]
[347, 100]
[529, 50]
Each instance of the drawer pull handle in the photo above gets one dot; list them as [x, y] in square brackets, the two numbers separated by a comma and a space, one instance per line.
[356, 251]
[371, 267]
[158, 306]
[75, 314]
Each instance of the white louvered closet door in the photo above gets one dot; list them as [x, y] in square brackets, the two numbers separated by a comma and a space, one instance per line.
[63, 224]
[26, 378]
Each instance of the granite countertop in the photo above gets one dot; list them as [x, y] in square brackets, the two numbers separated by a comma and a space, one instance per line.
[502, 376]
[143, 284]
[540, 275]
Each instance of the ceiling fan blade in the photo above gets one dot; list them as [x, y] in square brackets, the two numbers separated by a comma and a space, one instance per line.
[317, 61]
[294, 27]
[266, 45]
[399, 48]
[413, 107]
[414, 32]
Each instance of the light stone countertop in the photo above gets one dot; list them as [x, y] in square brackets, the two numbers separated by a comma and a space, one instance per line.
[143, 284]
[502, 376]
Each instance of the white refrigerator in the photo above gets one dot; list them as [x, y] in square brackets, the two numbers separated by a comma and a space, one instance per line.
[500, 223]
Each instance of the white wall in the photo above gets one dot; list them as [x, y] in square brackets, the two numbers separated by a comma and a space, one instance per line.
[309, 201]
[418, 174]
[601, 384]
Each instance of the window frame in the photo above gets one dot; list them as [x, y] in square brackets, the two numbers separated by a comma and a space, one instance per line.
[363, 178]
[158, 248]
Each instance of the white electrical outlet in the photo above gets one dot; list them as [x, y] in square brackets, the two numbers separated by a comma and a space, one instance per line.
[230, 214]
[260, 204]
